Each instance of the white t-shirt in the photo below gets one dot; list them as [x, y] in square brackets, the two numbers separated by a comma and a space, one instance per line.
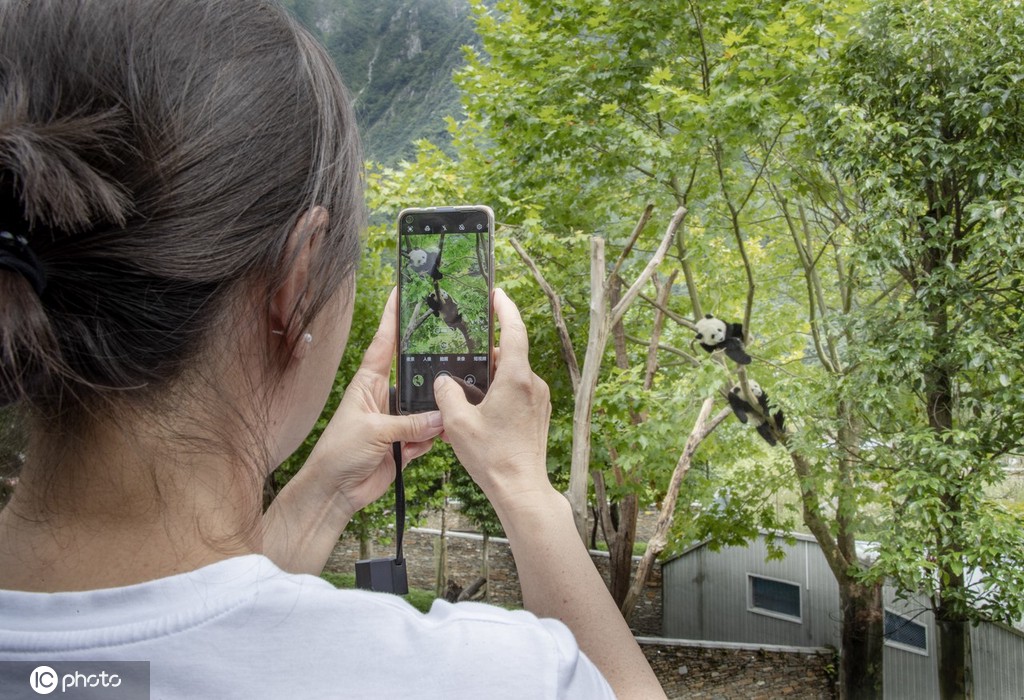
[244, 628]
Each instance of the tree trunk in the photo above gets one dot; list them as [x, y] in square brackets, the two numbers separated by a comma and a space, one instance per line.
[620, 549]
[953, 636]
[365, 545]
[862, 637]
[602, 320]
[954, 653]
[596, 342]
[441, 552]
[620, 534]
[361, 529]
[485, 564]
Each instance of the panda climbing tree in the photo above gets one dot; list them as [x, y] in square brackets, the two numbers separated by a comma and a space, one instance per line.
[750, 403]
[446, 308]
[715, 334]
[763, 418]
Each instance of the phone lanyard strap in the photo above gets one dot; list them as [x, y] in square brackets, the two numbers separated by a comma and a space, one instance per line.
[396, 451]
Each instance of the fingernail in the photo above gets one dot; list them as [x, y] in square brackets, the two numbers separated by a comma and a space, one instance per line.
[441, 380]
[434, 420]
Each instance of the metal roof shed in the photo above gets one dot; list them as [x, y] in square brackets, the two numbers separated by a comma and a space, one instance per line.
[736, 595]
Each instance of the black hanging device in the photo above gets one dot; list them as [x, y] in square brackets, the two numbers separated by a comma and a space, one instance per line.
[388, 575]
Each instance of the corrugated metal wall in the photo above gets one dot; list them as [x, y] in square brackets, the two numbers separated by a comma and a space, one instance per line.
[705, 597]
[997, 653]
[998, 663]
[908, 674]
[717, 583]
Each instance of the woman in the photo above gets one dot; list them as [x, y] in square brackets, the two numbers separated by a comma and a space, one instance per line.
[180, 211]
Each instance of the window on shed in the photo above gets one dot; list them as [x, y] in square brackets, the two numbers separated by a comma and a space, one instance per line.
[777, 598]
[904, 632]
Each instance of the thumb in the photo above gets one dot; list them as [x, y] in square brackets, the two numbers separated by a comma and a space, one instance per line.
[418, 427]
[449, 395]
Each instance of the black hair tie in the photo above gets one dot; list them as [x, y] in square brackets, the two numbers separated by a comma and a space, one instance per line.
[16, 255]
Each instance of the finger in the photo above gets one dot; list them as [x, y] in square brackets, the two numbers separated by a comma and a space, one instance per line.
[382, 348]
[515, 345]
[449, 396]
[412, 450]
[418, 427]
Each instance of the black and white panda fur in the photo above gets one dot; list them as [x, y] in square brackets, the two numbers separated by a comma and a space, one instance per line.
[446, 308]
[425, 262]
[743, 410]
[715, 334]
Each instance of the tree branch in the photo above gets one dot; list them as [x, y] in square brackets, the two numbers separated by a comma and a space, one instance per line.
[414, 323]
[702, 427]
[805, 263]
[634, 290]
[689, 359]
[568, 352]
[664, 290]
[637, 230]
[815, 521]
[684, 257]
[734, 218]
[684, 322]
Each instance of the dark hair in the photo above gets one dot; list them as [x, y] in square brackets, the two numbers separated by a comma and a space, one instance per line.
[156, 154]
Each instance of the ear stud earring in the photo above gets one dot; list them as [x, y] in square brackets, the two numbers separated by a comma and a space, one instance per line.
[307, 338]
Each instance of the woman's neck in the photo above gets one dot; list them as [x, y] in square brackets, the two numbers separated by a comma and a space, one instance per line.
[133, 505]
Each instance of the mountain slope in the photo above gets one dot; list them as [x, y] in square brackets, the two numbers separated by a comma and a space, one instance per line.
[397, 59]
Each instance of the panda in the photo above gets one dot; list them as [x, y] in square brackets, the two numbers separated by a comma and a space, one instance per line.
[715, 334]
[447, 309]
[444, 307]
[426, 262]
[743, 409]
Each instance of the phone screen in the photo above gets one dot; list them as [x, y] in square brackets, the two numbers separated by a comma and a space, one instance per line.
[444, 309]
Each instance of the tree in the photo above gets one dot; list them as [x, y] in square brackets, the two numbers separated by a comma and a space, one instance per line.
[924, 115]
[606, 105]
[608, 306]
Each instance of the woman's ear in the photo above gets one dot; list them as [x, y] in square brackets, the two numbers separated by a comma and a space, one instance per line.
[286, 306]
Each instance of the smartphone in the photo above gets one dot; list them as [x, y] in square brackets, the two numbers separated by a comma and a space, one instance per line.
[445, 318]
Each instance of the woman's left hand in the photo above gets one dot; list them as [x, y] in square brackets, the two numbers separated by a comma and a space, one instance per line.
[351, 465]
[356, 445]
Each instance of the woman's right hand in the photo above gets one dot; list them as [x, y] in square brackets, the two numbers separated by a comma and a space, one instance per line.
[502, 441]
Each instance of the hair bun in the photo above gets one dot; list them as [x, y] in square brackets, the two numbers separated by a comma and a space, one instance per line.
[48, 168]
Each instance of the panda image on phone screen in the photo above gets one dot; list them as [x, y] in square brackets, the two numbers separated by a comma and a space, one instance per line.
[444, 261]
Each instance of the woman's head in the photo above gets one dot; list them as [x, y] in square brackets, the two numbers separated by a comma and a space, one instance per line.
[158, 157]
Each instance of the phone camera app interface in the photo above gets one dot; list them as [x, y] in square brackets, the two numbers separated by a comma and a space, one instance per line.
[444, 265]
